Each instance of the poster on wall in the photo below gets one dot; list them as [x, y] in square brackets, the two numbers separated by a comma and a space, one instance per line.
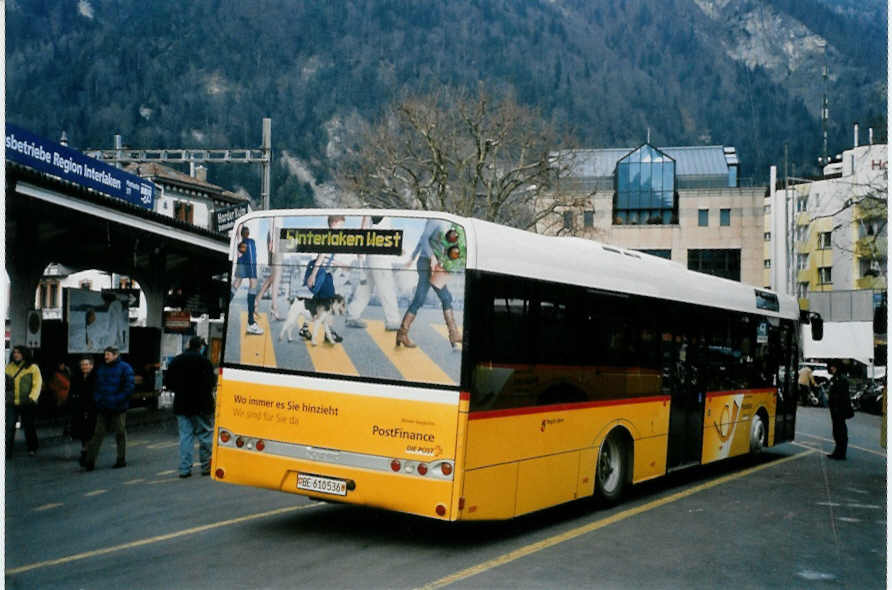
[97, 320]
[359, 296]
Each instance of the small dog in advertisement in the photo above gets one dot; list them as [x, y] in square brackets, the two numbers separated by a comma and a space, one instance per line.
[321, 311]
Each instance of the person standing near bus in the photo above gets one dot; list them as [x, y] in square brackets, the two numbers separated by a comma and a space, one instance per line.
[82, 405]
[430, 274]
[806, 383]
[246, 268]
[23, 385]
[840, 410]
[114, 385]
[191, 377]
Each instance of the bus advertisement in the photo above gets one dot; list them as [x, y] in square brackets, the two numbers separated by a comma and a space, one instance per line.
[461, 370]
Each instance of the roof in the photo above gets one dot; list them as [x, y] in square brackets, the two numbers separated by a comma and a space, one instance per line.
[600, 266]
[166, 174]
[689, 160]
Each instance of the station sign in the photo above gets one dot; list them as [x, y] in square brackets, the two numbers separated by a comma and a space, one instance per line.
[177, 321]
[224, 218]
[23, 147]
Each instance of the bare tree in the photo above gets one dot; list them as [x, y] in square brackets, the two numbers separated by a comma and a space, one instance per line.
[465, 153]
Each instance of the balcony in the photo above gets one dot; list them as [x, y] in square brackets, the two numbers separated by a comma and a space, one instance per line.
[876, 283]
[871, 247]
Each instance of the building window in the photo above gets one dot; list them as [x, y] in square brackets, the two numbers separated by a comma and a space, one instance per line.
[568, 220]
[86, 284]
[667, 254]
[183, 211]
[825, 276]
[824, 242]
[767, 209]
[703, 217]
[869, 267]
[724, 217]
[41, 299]
[801, 204]
[588, 219]
[721, 263]
[801, 261]
[767, 263]
[767, 236]
[645, 189]
[54, 296]
[802, 290]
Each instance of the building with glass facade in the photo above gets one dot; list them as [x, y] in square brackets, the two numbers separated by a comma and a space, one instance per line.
[681, 203]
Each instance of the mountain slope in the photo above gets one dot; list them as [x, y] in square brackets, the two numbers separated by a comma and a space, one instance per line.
[203, 73]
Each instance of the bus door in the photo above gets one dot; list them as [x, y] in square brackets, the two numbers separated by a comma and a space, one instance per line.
[683, 370]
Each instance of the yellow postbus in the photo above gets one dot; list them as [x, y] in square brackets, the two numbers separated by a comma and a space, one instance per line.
[461, 370]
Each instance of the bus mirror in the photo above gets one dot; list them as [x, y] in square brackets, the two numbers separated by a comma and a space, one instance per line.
[817, 327]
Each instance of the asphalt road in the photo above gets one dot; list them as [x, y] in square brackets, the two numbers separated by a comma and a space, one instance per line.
[790, 519]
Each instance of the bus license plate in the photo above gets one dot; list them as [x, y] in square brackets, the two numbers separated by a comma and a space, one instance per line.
[324, 485]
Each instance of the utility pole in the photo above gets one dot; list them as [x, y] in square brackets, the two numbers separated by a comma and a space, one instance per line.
[119, 155]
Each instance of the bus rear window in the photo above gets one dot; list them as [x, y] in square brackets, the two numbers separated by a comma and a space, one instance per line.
[357, 296]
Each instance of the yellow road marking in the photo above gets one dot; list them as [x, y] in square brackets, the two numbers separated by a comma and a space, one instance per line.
[133, 481]
[329, 358]
[588, 528]
[168, 472]
[443, 331]
[257, 349]
[851, 446]
[412, 363]
[48, 507]
[135, 443]
[158, 539]
[163, 445]
[95, 493]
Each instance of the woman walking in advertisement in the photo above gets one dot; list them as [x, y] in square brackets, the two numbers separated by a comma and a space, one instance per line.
[431, 273]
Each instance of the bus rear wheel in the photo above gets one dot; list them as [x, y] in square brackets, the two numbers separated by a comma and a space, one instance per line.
[757, 434]
[610, 471]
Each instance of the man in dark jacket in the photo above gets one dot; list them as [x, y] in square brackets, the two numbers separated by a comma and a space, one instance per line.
[114, 386]
[191, 377]
[840, 410]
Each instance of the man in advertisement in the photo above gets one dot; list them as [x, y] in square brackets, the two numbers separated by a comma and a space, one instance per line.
[246, 268]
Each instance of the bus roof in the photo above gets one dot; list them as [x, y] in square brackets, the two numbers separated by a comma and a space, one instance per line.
[506, 250]
[601, 266]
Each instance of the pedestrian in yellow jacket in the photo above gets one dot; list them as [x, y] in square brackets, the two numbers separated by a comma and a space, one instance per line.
[23, 384]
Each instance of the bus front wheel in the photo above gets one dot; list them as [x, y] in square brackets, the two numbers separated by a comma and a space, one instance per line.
[610, 471]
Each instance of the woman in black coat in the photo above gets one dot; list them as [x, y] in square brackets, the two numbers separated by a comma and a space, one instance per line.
[82, 404]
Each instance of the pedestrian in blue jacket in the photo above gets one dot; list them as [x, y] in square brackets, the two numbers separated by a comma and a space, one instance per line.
[114, 385]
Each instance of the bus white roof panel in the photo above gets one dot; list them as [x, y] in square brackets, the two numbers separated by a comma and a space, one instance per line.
[585, 262]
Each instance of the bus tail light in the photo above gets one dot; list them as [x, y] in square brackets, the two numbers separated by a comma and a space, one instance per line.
[395, 465]
[422, 469]
[240, 442]
[260, 445]
[219, 473]
[446, 468]
[441, 510]
[224, 436]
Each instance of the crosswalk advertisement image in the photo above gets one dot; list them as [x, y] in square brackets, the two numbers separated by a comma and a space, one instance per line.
[358, 296]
